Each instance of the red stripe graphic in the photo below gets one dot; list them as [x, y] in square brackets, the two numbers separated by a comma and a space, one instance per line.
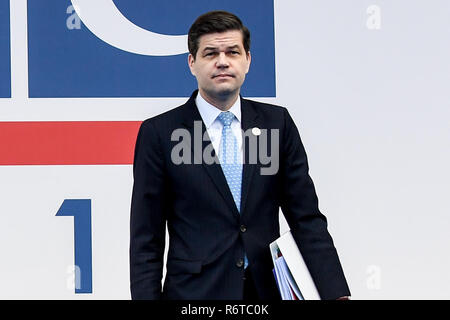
[68, 143]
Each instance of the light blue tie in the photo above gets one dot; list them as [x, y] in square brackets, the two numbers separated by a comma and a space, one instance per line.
[230, 161]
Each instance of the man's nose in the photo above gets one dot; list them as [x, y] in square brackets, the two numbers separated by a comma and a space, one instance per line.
[222, 60]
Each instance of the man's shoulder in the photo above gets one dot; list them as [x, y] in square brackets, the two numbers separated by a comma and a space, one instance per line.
[271, 113]
[264, 106]
[167, 119]
[174, 117]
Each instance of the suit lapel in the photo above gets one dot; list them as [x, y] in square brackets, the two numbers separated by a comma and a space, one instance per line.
[214, 170]
[249, 121]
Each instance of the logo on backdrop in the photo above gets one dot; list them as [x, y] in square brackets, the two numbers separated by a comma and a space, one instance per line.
[132, 48]
[5, 50]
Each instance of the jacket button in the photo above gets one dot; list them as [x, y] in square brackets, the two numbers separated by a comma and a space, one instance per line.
[243, 228]
[240, 263]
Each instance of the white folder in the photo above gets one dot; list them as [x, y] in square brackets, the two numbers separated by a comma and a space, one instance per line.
[295, 266]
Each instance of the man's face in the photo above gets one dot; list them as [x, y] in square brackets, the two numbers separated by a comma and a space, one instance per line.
[221, 64]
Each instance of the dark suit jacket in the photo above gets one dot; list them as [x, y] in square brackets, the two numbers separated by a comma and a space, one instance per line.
[208, 236]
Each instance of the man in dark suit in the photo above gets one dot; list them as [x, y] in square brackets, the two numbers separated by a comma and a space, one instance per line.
[204, 169]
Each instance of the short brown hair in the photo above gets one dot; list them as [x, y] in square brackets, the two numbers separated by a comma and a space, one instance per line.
[216, 21]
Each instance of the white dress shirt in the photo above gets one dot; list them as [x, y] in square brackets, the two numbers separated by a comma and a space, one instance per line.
[209, 114]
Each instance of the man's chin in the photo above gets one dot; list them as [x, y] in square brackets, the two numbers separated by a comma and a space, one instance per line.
[225, 92]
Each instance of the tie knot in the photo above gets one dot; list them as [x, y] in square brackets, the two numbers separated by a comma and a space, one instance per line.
[226, 118]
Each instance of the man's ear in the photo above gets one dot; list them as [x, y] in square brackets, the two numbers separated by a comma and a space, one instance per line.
[249, 61]
[191, 61]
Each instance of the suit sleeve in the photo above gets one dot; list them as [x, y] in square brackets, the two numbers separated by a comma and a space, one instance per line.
[308, 225]
[147, 220]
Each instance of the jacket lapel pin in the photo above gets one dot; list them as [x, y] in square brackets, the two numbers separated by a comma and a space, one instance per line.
[256, 131]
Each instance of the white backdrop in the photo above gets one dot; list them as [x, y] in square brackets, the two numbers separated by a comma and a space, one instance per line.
[367, 83]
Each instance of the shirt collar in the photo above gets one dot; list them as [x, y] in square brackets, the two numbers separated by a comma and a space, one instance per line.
[209, 113]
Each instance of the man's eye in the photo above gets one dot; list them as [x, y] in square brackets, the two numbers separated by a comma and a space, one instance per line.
[209, 54]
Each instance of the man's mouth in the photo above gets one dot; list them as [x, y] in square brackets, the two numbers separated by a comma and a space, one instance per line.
[223, 75]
